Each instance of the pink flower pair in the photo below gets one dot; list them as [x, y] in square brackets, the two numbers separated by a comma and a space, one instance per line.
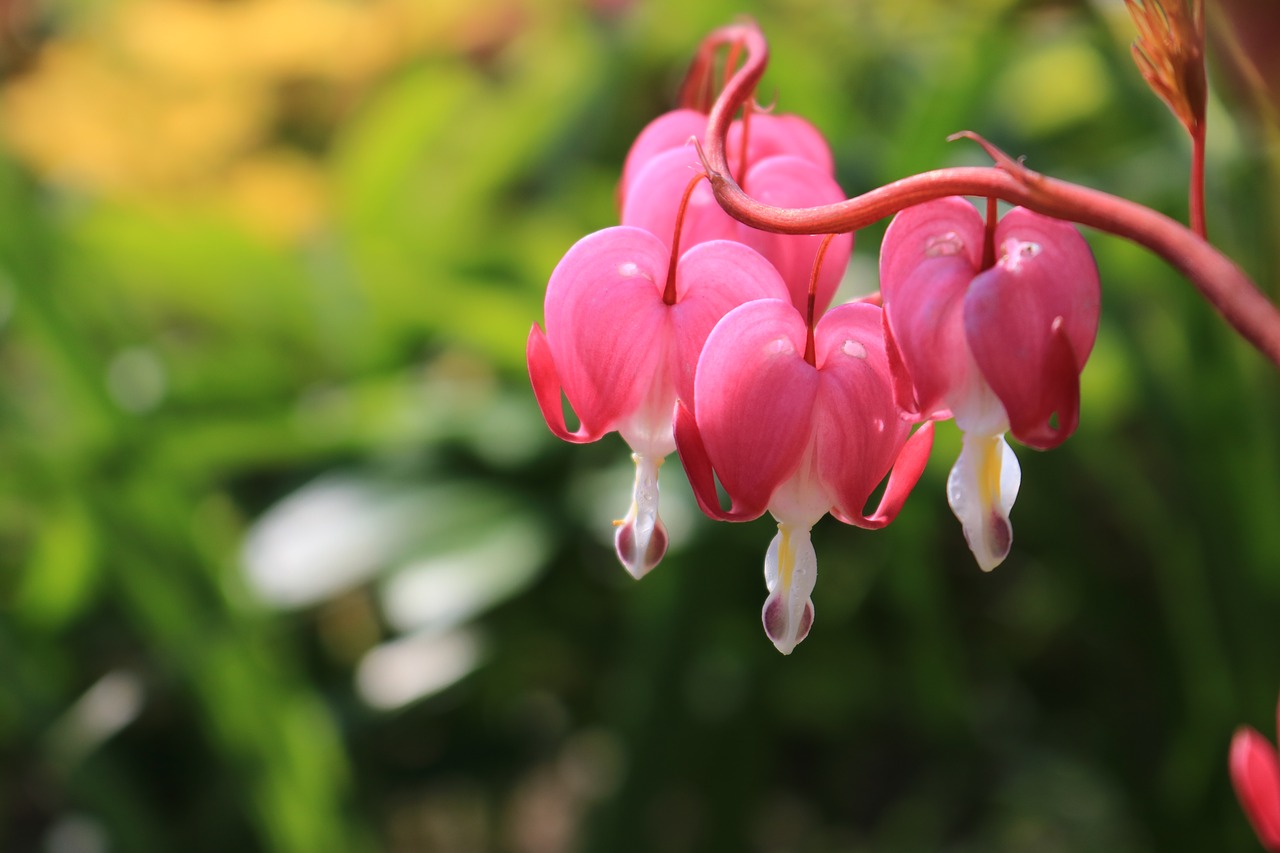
[625, 321]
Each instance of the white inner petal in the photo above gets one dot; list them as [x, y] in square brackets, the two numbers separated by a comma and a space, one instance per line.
[981, 490]
[790, 573]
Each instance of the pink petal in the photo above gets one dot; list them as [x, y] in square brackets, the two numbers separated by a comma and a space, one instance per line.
[546, 389]
[1075, 294]
[653, 201]
[944, 227]
[926, 319]
[789, 181]
[607, 327]
[1255, 773]
[928, 258]
[769, 135]
[669, 130]
[754, 396]
[858, 430]
[904, 391]
[697, 467]
[906, 472]
[711, 279]
[1031, 321]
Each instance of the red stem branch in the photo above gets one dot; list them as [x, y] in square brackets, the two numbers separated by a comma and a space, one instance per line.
[1226, 287]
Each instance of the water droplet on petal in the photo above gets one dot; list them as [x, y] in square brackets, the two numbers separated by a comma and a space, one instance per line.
[854, 349]
[1016, 251]
[779, 346]
[628, 270]
[944, 244]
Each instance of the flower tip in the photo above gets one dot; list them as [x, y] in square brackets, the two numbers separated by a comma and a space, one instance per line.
[641, 538]
[640, 550]
[778, 620]
[981, 490]
[997, 541]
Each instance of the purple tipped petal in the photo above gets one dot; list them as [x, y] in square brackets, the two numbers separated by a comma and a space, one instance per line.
[981, 489]
[641, 537]
[790, 573]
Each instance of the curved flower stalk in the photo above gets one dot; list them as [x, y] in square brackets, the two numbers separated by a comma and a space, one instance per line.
[1218, 279]
[991, 325]
[799, 431]
[654, 204]
[1255, 774]
[621, 342]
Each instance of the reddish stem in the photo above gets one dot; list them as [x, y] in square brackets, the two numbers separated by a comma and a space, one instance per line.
[811, 307]
[669, 290]
[989, 238]
[1226, 287]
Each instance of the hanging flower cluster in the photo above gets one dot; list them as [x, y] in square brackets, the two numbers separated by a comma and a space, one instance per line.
[702, 323]
[684, 328]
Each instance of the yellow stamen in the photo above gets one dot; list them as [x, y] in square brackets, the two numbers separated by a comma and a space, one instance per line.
[990, 454]
[786, 557]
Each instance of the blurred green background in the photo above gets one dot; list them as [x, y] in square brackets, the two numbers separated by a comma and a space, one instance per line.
[289, 561]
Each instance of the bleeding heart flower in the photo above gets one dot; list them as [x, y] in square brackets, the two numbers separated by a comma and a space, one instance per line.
[1255, 773]
[768, 135]
[800, 430]
[781, 180]
[992, 326]
[622, 343]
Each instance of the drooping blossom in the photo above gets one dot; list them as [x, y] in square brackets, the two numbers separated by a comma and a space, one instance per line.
[788, 163]
[992, 327]
[768, 135]
[622, 342]
[799, 431]
[1255, 774]
[783, 180]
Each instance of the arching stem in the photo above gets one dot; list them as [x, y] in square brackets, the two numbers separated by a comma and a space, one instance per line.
[1226, 287]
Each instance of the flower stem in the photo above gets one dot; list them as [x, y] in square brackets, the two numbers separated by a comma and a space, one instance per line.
[812, 302]
[1227, 288]
[989, 235]
[669, 290]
